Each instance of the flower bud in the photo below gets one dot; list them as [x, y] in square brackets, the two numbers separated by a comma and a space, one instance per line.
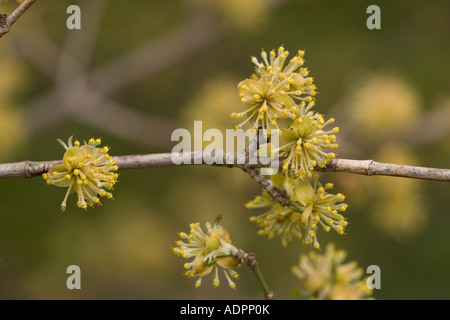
[228, 262]
[212, 240]
[73, 157]
[199, 267]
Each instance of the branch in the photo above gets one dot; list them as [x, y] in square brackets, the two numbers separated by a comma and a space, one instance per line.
[370, 167]
[4, 27]
[250, 260]
[28, 169]
[279, 195]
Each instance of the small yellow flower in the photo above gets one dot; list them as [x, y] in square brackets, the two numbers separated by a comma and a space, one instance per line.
[326, 277]
[211, 250]
[272, 91]
[87, 171]
[316, 207]
[304, 144]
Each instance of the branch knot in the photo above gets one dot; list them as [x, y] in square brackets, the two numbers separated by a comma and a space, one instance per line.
[3, 17]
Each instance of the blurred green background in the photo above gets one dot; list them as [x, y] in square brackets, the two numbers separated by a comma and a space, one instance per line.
[139, 69]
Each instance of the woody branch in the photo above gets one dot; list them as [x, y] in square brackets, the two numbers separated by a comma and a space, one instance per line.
[6, 23]
[28, 169]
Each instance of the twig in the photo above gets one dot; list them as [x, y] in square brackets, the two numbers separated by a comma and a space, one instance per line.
[279, 195]
[370, 167]
[250, 260]
[4, 28]
[27, 169]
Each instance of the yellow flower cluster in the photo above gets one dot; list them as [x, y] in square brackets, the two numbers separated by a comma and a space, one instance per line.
[304, 144]
[272, 91]
[326, 277]
[86, 171]
[280, 95]
[316, 207]
[210, 251]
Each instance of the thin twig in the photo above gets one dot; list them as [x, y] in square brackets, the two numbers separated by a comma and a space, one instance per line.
[4, 28]
[250, 260]
[279, 195]
[364, 167]
[371, 167]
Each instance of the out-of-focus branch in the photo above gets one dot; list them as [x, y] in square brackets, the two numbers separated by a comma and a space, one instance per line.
[48, 51]
[73, 84]
[81, 45]
[190, 37]
[126, 123]
[81, 103]
[27, 169]
[5, 24]
[433, 125]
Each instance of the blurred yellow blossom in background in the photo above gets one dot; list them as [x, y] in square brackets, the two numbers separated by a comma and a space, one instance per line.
[399, 207]
[12, 133]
